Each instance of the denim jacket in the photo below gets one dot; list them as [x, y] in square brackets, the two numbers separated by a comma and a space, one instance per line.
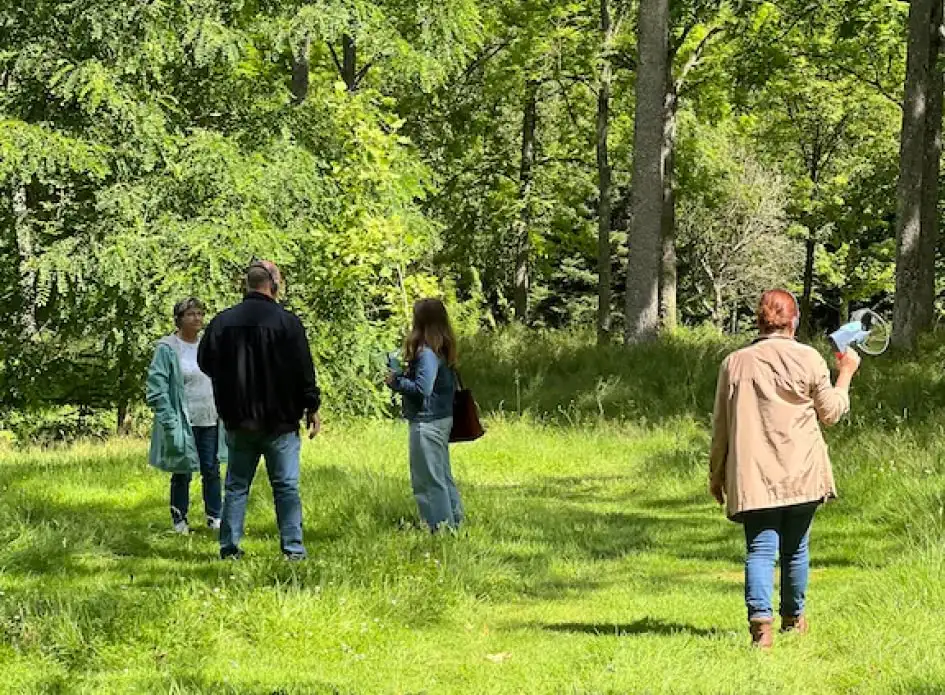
[427, 387]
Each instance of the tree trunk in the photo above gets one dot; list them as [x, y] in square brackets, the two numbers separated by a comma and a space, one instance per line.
[668, 310]
[925, 310]
[24, 244]
[807, 302]
[300, 71]
[812, 222]
[718, 308]
[126, 380]
[523, 223]
[603, 171]
[912, 165]
[349, 66]
[124, 418]
[646, 230]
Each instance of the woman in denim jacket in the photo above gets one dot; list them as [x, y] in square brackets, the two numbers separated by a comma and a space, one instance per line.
[427, 388]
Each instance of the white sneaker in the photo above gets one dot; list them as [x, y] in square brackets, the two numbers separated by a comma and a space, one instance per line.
[182, 528]
[213, 523]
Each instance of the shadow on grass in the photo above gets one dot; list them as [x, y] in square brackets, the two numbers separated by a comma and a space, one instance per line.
[646, 626]
[921, 687]
[63, 538]
[524, 535]
[298, 686]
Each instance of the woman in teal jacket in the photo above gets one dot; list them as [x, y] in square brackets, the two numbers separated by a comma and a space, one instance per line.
[186, 436]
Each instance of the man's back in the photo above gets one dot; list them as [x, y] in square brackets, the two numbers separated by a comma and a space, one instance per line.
[257, 355]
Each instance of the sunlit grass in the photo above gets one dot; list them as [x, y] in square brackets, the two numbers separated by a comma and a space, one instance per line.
[593, 562]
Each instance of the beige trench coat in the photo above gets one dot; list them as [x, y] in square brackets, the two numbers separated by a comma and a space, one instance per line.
[766, 442]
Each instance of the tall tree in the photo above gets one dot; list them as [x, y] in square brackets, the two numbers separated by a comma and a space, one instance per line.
[815, 79]
[931, 174]
[912, 236]
[646, 229]
[699, 21]
[674, 88]
[522, 234]
[604, 217]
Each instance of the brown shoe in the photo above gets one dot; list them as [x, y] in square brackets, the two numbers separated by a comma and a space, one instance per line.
[762, 633]
[791, 623]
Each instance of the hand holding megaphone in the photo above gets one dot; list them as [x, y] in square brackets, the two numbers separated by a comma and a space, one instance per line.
[849, 361]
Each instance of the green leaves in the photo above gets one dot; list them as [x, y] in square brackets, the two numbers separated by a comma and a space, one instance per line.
[28, 151]
[157, 152]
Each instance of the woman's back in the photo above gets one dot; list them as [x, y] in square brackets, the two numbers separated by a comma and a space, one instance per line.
[770, 398]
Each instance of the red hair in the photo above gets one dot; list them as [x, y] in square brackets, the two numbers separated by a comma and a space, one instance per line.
[777, 311]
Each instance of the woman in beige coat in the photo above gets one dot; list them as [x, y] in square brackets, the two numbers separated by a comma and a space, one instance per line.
[769, 462]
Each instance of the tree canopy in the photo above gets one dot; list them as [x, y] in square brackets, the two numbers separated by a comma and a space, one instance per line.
[380, 150]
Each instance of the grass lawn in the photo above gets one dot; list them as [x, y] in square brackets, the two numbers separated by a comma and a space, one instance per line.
[593, 562]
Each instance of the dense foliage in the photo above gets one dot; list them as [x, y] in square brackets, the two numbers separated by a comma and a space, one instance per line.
[379, 150]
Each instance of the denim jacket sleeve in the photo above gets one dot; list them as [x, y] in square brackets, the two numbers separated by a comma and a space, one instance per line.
[427, 366]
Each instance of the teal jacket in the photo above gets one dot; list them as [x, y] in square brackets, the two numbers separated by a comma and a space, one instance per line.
[172, 440]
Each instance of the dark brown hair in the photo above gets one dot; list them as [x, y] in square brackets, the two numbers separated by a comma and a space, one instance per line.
[185, 305]
[777, 311]
[431, 328]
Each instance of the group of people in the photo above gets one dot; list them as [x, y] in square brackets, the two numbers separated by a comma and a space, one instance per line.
[238, 391]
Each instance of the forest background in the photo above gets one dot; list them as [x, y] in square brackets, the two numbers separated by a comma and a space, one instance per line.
[619, 169]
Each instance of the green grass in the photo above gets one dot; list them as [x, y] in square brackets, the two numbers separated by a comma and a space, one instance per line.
[593, 561]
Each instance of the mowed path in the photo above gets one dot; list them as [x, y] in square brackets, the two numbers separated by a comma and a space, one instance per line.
[593, 563]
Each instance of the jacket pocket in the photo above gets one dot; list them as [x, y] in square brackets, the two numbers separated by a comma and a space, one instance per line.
[175, 441]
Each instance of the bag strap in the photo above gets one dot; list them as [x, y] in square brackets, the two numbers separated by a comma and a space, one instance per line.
[459, 380]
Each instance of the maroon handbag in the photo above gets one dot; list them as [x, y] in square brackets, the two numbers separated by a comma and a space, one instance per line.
[466, 425]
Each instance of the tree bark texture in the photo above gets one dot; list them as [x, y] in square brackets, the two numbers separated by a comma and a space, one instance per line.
[914, 144]
[349, 65]
[807, 296]
[521, 238]
[24, 244]
[125, 368]
[668, 310]
[604, 216]
[300, 71]
[925, 308]
[646, 230]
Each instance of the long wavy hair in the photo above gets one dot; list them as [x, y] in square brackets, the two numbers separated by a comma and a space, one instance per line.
[431, 328]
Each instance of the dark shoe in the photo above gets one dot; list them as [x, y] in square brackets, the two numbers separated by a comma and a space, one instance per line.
[294, 557]
[231, 554]
[792, 623]
[762, 632]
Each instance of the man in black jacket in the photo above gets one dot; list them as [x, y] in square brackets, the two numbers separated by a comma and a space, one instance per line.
[258, 357]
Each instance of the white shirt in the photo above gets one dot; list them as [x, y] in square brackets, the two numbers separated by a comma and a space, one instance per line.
[198, 389]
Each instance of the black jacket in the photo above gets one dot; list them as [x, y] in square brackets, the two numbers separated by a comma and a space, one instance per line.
[258, 357]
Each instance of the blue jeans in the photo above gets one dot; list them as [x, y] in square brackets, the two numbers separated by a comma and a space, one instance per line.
[282, 464]
[768, 532]
[431, 476]
[206, 441]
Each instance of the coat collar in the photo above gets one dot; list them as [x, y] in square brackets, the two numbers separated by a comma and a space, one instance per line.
[773, 336]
